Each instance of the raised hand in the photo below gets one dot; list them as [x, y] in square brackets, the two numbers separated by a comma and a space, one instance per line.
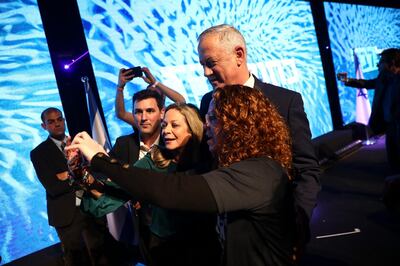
[87, 146]
[148, 77]
[342, 76]
[124, 76]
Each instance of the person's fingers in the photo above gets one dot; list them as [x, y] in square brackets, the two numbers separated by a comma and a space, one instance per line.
[72, 147]
[76, 140]
[82, 135]
[124, 77]
[146, 71]
[148, 77]
[146, 80]
[130, 77]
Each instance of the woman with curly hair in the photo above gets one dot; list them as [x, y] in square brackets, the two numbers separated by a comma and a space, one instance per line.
[248, 126]
[251, 190]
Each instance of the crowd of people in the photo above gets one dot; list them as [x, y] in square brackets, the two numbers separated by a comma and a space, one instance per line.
[231, 183]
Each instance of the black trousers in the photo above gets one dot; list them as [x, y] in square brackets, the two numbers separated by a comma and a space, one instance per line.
[84, 240]
[393, 146]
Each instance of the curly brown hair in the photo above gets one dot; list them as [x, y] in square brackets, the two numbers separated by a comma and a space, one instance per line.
[249, 126]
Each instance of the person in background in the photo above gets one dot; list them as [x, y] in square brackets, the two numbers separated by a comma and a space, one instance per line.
[385, 112]
[125, 76]
[82, 237]
[251, 191]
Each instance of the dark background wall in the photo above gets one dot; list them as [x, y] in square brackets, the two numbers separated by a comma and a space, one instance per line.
[65, 37]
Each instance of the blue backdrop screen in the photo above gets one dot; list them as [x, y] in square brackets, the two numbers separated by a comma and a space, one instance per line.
[367, 30]
[162, 35]
[28, 86]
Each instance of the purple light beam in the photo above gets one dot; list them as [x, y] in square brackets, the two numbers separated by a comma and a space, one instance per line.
[73, 61]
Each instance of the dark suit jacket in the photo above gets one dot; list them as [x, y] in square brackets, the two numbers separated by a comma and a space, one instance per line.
[305, 163]
[48, 161]
[380, 84]
[126, 148]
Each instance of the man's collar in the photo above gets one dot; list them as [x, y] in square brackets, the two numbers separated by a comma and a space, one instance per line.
[56, 141]
[156, 142]
[250, 82]
[59, 142]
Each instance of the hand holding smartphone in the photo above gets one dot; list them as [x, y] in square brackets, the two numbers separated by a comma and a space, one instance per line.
[342, 76]
[135, 71]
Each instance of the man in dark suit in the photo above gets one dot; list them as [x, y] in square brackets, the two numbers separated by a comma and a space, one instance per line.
[148, 109]
[385, 113]
[223, 55]
[72, 226]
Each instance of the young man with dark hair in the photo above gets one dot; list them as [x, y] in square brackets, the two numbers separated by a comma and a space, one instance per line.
[148, 111]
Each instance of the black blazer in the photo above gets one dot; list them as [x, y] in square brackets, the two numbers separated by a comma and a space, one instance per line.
[376, 121]
[126, 148]
[290, 107]
[48, 160]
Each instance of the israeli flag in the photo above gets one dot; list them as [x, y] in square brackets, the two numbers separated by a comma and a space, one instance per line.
[363, 106]
[119, 222]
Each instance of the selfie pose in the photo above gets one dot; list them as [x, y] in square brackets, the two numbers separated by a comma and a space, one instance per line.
[251, 190]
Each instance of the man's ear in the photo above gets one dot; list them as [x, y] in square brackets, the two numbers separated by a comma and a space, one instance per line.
[43, 126]
[240, 55]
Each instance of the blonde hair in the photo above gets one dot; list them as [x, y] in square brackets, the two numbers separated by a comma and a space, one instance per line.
[163, 157]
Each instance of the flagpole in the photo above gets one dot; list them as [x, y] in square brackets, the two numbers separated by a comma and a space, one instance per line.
[368, 140]
[98, 129]
[85, 81]
[363, 106]
[120, 224]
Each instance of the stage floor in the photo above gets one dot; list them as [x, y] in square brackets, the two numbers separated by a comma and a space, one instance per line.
[350, 201]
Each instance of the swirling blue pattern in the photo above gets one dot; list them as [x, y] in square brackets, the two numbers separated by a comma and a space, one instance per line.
[27, 87]
[162, 35]
[367, 28]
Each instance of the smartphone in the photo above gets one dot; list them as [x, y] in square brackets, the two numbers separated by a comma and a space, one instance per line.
[342, 76]
[137, 71]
